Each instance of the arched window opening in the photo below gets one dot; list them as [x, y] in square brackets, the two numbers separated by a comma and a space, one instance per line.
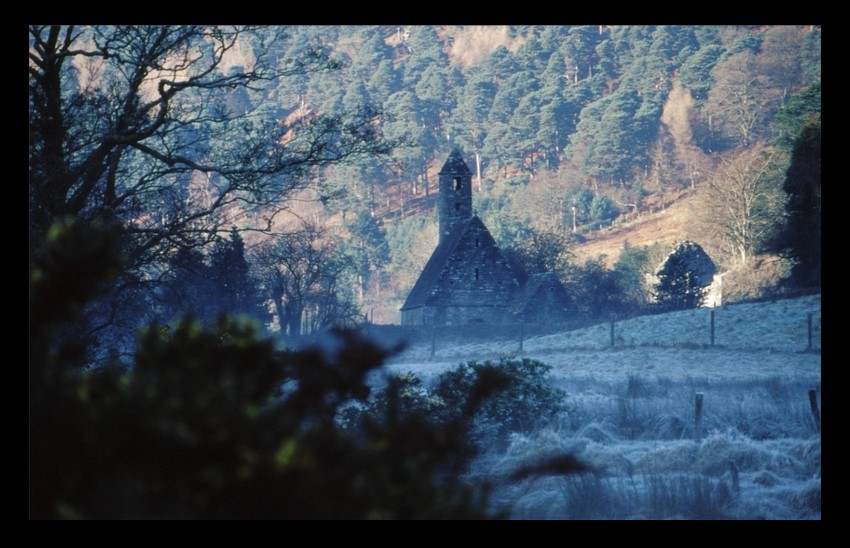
[476, 273]
[457, 183]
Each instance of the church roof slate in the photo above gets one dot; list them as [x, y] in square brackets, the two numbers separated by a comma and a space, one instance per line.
[430, 277]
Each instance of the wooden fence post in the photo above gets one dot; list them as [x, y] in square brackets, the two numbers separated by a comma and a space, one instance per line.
[698, 417]
[810, 330]
[712, 328]
[612, 331]
[521, 334]
[813, 401]
[736, 480]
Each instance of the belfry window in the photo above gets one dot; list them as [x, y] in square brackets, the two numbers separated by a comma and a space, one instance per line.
[457, 183]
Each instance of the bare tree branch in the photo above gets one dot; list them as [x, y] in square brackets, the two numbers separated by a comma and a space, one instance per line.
[127, 126]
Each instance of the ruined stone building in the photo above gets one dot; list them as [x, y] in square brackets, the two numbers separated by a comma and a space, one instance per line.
[468, 279]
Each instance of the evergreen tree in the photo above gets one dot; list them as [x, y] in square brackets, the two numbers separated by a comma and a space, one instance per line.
[611, 154]
[406, 124]
[498, 147]
[501, 65]
[205, 287]
[552, 36]
[425, 50]
[581, 50]
[631, 269]
[367, 247]
[468, 124]
[525, 123]
[372, 52]
[668, 41]
[187, 287]
[602, 209]
[436, 93]
[581, 199]
[235, 289]
[810, 54]
[696, 71]
[631, 42]
[517, 86]
[356, 97]
[802, 109]
[532, 56]
[684, 278]
[801, 237]
[676, 288]
[596, 290]
[607, 58]
[384, 81]
[552, 132]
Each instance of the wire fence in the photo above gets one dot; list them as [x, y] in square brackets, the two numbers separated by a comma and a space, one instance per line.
[700, 328]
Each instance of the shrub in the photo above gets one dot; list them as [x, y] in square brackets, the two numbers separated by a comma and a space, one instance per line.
[524, 399]
[212, 422]
[602, 209]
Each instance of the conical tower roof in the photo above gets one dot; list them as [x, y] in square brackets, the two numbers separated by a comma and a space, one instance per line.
[455, 164]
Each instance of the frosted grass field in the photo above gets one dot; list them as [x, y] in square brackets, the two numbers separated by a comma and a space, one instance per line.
[631, 417]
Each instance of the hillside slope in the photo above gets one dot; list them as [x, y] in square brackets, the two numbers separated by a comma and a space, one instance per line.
[666, 219]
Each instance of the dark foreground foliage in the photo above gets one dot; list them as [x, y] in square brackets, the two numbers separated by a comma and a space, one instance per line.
[212, 421]
[216, 423]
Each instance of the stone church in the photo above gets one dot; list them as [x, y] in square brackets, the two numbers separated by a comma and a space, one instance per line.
[468, 279]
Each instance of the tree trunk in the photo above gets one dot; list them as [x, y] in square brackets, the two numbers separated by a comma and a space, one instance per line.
[294, 326]
[425, 178]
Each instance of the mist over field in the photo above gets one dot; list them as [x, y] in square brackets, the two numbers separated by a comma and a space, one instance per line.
[631, 411]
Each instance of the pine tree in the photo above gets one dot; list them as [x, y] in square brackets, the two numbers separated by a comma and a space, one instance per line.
[801, 239]
[234, 288]
[684, 278]
[186, 287]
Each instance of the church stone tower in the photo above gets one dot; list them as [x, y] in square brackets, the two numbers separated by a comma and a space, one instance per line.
[455, 201]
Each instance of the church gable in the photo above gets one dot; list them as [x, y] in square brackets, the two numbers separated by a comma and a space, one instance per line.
[466, 269]
[475, 273]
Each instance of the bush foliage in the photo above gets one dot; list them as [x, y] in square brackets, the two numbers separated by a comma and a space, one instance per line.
[525, 397]
[214, 422]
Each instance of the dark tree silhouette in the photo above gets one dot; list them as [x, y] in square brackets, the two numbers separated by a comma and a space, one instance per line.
[129, 125]
[215, 423]
[684, 277]
[801, 238]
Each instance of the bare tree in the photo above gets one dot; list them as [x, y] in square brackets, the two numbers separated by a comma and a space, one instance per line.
[305, 278]
[130, 126]
[744, 201]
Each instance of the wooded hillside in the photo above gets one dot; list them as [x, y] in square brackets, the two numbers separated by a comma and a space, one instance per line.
[592, 127]
[578, 131]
